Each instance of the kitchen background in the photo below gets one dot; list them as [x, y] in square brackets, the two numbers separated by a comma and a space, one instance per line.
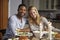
[48, 8]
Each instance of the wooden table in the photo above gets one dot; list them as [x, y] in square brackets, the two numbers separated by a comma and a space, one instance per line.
[23, 38]
[57, 36]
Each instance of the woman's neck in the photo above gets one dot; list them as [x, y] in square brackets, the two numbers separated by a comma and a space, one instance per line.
[35, 22]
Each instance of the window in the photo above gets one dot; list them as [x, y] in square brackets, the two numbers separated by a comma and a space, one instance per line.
[42, 4]
[47, 5]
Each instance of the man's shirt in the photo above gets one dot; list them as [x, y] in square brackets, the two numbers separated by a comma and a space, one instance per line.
[14, 23]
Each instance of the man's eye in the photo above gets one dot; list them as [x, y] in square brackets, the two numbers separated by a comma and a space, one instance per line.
[24, 10]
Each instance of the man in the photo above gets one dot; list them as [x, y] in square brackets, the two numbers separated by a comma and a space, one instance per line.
[16, 21]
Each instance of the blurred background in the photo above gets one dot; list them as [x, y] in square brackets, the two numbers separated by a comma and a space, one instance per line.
[48, 8]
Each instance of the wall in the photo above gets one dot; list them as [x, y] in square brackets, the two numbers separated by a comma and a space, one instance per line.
[13, 5]
[31, 2]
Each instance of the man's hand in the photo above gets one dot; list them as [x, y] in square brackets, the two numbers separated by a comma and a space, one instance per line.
[25, 30]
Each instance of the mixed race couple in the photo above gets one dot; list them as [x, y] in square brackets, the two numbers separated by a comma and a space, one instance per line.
[33, 19]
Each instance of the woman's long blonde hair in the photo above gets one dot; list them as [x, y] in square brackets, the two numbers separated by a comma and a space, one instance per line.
[37, 21]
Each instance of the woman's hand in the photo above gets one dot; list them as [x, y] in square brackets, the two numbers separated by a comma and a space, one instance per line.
[49, 23]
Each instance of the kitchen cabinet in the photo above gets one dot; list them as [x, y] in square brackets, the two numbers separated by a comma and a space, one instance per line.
[3, 16]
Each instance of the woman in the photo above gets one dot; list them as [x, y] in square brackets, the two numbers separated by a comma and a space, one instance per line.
[35, 20]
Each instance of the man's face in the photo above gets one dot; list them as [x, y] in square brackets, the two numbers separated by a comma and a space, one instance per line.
[22, 11]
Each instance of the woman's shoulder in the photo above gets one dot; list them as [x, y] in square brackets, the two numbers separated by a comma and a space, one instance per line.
[42, 17]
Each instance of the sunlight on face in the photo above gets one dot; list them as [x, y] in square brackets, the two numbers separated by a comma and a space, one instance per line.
[32, 13]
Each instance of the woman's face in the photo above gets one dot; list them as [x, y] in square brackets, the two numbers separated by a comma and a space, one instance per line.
[32, 13]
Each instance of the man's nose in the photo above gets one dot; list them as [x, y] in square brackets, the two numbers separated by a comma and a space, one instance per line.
[22, 10]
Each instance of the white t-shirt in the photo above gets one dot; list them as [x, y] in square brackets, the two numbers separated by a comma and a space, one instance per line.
[13, 24]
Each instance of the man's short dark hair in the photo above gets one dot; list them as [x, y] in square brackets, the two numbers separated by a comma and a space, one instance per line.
[21, 5]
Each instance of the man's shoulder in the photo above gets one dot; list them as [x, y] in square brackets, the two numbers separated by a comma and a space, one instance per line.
[12, 17]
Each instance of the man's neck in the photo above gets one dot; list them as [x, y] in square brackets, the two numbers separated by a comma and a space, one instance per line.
[19, 17]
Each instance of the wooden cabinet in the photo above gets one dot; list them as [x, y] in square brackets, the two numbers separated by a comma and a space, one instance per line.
[3, 14]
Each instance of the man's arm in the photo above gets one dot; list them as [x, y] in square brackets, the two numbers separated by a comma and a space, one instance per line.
[12, 25]
[24, 30]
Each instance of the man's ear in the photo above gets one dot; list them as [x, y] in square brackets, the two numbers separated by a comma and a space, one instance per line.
[17, 9]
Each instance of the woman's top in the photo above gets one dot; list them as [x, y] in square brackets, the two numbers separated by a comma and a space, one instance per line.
[45, 23]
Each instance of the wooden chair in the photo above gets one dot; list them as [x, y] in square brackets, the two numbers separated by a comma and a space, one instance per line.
[0, 36]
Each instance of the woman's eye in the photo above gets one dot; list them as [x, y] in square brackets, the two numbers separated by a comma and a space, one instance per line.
[33, 12]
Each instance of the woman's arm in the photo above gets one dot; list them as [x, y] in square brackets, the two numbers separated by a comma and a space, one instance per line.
[49, 23]
[55, 29]
[44, 20]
